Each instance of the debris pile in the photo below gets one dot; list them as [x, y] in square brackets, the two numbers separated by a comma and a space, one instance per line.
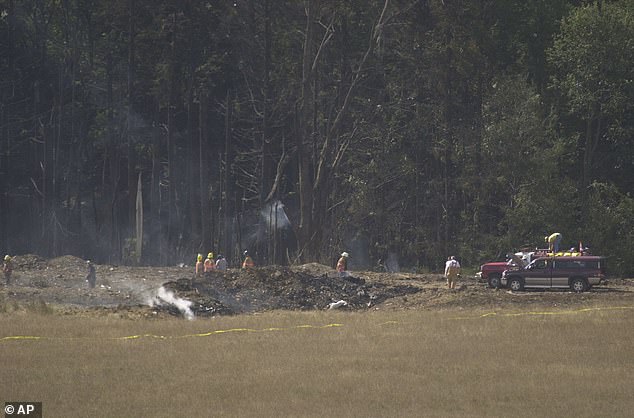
[276, 287]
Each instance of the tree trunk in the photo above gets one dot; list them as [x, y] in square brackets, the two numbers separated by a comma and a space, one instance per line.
[228, 208]
[203, 156]
[155, 234]
[267, 175]
[112, 160]
[305, 135]
[171, 160]
[132, 181]
[139, 221]
[193, 157]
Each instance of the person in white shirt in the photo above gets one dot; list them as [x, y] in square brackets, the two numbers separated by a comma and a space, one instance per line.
[452, 271]
[221, 263]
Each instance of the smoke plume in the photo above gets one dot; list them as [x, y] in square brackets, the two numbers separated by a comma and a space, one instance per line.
[164, 296]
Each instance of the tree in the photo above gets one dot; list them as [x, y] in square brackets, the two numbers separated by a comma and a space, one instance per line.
[593, 62]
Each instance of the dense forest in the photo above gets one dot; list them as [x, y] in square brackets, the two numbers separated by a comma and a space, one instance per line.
[401, 131]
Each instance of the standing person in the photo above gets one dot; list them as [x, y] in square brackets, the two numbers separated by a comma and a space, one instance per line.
[91, 277]
[342, 264]
[452, 270]
[248, 262]
[209, 263]
[553, 241]
[7, 268]
[221, 263]
[199, 265]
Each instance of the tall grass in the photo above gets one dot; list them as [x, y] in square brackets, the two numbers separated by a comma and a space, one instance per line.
[447, 364]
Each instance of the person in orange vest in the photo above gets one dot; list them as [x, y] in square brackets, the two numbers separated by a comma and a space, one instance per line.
[199, 265]
[209, 263]
[342, 264]
[248, 261]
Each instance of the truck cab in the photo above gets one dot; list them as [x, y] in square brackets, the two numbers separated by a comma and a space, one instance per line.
[491, 272]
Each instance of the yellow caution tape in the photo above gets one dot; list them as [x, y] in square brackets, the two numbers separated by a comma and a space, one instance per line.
[22, 337]
[562, 312]
[246, 330]
[163, 337]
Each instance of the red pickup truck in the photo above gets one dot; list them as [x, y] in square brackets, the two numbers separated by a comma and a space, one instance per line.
[491, 273]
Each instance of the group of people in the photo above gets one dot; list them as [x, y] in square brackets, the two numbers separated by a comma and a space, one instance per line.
[207, 265]
[210, 263]
[452, 269]
[219, 263]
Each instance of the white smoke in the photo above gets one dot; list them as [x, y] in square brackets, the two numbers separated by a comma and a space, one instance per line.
[274, 216]
[271, 217]
[164, 296]
[391, 264]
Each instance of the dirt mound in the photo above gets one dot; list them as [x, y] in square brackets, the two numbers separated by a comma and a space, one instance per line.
[315, 269]
[276, 287]
[67, 262]
[28, 262]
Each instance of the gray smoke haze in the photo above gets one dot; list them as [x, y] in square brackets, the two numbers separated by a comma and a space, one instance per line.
[392, 264]
[274, 216]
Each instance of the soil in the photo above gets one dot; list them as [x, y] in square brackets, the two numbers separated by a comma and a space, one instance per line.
[59, 285]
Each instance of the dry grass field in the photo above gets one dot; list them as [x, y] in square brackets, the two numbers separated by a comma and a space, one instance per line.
[455, 363]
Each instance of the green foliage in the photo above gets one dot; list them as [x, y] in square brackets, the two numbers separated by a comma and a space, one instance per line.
[445, 140]
[593, 61]
[610, 227]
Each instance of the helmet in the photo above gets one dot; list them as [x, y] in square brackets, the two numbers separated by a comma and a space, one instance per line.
[210, 256]
[345, 254]
[7, 257]
[246, 252]
[200, 257]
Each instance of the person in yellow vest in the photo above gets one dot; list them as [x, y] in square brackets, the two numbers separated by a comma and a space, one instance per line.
[248, 262]
[342, 264]
[209, 263]
[553, 241]
[452, 271]
[199, 265]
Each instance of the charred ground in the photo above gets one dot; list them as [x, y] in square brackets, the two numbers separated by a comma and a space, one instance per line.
[59, 285]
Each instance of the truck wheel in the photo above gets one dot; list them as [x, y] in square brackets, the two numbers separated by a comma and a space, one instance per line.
[578, 285]
[515, 284]
[494, 281]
